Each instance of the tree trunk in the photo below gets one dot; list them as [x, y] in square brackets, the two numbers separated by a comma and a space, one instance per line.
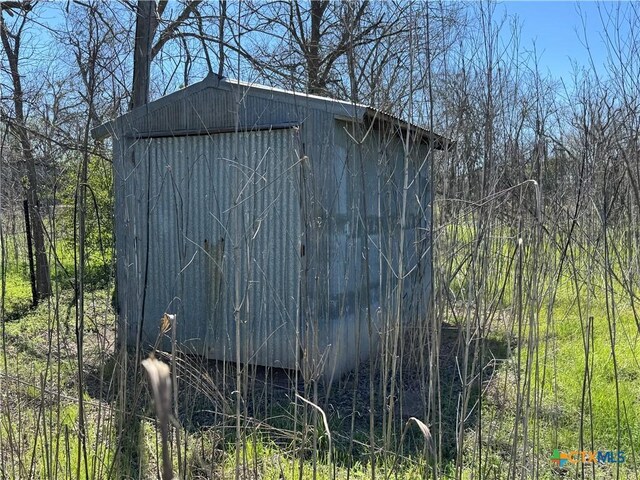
[32, 268]
[146, 24]
[315, 84]
[43, 281]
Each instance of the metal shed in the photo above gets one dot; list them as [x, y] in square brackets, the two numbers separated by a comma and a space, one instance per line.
[271, 222]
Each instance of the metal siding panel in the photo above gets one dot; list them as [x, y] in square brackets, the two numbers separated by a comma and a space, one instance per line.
[126, 212]
[336, 337]
[120, 219]
[340, 298]
[193, 182]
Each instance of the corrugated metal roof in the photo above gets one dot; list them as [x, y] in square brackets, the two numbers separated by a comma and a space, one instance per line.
[341, 108]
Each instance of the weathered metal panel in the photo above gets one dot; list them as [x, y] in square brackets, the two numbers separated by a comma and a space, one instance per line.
[355, 191]
[337, 335]
[219, 216]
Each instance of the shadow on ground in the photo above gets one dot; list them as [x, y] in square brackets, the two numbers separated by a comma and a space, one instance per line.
[209, 398]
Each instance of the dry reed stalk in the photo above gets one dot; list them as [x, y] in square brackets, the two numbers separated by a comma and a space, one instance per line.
[159, 376]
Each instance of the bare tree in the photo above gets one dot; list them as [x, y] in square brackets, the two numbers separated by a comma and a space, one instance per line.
[307, 41]
[11, 42]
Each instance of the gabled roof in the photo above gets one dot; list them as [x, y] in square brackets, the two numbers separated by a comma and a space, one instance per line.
[340, 108]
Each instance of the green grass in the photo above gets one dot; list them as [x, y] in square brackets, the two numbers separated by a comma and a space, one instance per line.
[38, 381]
[33, 451]
[570, 370]
[561, 372]
[17, 293]
[559, 355]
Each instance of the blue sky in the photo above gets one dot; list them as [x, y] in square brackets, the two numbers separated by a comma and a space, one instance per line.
[558, 29]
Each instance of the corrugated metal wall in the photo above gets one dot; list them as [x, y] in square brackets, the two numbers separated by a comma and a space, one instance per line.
[220, 219]
[355, 195]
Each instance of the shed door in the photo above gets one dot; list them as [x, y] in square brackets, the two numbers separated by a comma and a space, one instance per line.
[225, 234]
